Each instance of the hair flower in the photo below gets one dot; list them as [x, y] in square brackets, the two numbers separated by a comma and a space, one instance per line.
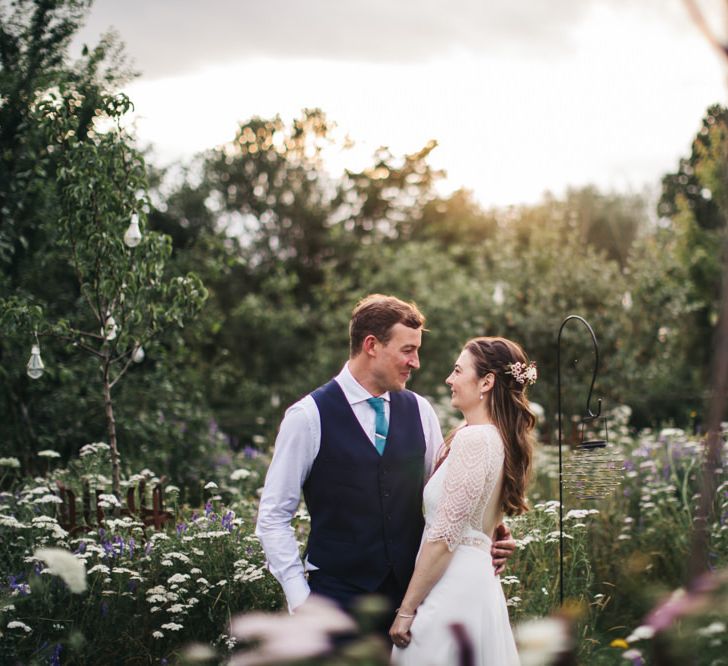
[523, 372]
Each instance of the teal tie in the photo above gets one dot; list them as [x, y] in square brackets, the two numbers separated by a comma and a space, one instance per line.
[381, 427]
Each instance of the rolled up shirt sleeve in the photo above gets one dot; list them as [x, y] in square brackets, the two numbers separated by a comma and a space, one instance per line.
[295, 449]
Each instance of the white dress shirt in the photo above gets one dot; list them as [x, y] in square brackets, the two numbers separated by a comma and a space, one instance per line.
[296, 448]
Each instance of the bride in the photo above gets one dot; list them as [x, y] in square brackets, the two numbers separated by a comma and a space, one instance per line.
[481, 474]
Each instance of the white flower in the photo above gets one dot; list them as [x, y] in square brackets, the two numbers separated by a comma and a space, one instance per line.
[11, 521]
[48, 499]
[157, 634]
[15, 624]
[239, 474]
[210, 485]
[65, 565]
[198, 652]
[640, 633]
[712, 629]
[176, 608]
[101, 568]
[172, 626]
[285, 637]
[95, 447]
[109, 498]
[540, 641]
[631, 654]
[48, 453]
[179, 556]
[10, 462]
[178, 578]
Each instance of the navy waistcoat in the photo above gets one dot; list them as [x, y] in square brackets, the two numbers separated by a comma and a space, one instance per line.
[366, 509]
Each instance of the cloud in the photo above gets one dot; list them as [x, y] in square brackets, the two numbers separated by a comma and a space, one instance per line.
[168, 37]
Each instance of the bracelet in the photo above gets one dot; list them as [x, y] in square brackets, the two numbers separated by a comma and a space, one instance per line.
[407, 615]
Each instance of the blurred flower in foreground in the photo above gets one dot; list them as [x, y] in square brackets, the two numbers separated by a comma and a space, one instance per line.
[285, 637]
[65, 565]
[691, 602]
[541, 642]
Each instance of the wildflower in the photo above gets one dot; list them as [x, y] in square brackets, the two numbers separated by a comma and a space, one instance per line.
[712, 629]
[285, 637]
[198, 652]
[48, 499]
[619, 643]
[640, 633]
[48, 453]
[13, 463]
[107, 500]
[634, 655]
[178, 578]
[179, 556]
[541, 641]
[100, 568]
[210, 485]
[172, 626]
[11, 521]
[65, 565]
[16, 624]
[157, 634]
[240, 474]
[176, 608]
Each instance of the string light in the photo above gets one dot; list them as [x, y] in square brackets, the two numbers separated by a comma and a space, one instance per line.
[35, 367]
[133, 236]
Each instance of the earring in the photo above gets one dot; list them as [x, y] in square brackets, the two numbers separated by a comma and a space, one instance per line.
[481, 396]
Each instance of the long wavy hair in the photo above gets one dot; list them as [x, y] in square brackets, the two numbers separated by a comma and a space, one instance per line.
[510, 410]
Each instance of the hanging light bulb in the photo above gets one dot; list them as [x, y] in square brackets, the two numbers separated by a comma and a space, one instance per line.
[138, 354]
[133, 236]
[35, 366]
[110, 328]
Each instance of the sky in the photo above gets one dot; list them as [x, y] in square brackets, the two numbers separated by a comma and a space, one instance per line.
[522, 96]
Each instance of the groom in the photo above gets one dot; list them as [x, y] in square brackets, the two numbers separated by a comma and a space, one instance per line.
[360, 448]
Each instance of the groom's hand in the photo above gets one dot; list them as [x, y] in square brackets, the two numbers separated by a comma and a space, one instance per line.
[503, 547]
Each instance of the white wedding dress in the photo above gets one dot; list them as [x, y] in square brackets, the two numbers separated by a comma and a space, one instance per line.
[462, 508]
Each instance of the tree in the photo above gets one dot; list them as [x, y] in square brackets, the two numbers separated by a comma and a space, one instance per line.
[101, 184]
[695, 201]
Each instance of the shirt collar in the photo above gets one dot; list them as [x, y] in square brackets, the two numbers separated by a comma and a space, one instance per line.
[352, 389]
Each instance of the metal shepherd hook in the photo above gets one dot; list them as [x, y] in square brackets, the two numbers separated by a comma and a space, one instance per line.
[588, 417]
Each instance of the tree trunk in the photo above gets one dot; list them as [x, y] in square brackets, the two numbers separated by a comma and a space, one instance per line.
[111, 428]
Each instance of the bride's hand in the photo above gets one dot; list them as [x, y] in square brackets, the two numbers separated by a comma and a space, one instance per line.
[400, 631]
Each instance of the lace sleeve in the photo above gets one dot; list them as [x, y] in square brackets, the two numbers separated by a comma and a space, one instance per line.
[476, 458]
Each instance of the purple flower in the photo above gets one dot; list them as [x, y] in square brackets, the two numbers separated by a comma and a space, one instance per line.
[56, 656]
[15, 583]
[227, 521]
[104, 609]
[132, 545]
[251, 452]
[102, 532]
[181, 528]
[148, 548]
[208, 508]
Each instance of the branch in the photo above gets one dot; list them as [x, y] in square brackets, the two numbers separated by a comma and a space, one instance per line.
[122, 372]
[74, 341]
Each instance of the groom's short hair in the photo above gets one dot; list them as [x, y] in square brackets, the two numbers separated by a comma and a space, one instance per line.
[376, 314]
